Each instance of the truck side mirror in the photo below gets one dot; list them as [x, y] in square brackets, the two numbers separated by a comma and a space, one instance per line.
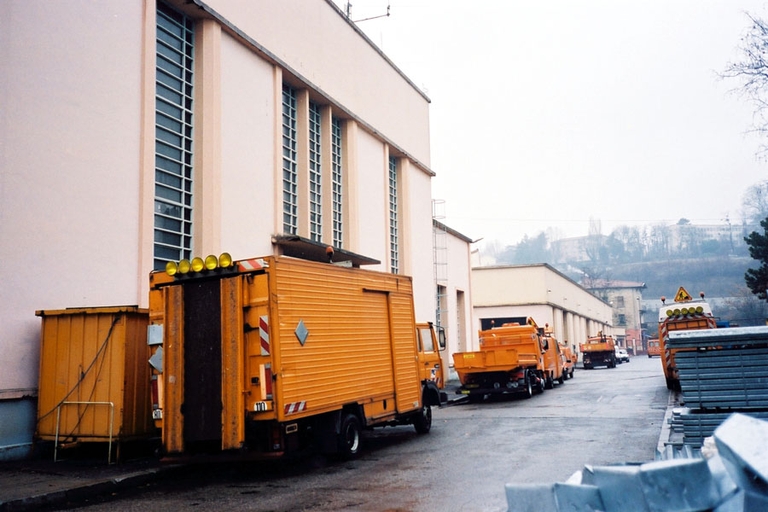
[441, 338]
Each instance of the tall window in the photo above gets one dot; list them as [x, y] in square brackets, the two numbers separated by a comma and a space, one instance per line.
[290, 174]
[394, 246]
[173, 137]
[315, 175]
[338, 225]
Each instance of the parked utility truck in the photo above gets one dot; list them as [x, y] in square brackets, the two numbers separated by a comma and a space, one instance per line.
[653, 348]
[271, 355]
[569, 360]
[513, 359]
[599, 350]
[684, 314]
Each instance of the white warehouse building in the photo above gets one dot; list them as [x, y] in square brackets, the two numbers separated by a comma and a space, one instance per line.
[139, 132]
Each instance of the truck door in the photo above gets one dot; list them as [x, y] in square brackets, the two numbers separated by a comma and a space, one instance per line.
[202, 365]
[430, 363]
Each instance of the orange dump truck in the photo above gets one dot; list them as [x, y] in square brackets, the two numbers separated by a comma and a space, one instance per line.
[513, 359]
[684, 314]
[272, 355]
[599, 350]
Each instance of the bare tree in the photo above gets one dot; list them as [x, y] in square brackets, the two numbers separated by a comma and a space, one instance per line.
[754, 203]
[751, 69]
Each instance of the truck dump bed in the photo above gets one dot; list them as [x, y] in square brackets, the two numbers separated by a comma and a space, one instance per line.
[502, 349]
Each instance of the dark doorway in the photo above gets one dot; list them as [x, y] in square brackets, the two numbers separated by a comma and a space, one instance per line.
[488, 323]
[202, 365]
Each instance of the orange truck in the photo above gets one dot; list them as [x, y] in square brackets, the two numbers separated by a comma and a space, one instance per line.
[513, 359]
[599, 350]
[654, 349]
[273, 355]
[684, 314]
[569, 360]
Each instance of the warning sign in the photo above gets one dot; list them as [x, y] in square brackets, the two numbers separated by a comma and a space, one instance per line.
[683, 295]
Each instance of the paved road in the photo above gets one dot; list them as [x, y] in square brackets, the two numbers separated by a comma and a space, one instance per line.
[602, 416]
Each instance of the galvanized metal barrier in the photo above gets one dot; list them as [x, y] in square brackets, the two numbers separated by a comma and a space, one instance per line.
[721, 371]
[732, 477]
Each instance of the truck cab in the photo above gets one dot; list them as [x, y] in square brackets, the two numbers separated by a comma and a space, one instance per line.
[431, 340]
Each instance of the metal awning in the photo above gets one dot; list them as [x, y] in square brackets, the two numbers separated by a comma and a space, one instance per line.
[299, 247]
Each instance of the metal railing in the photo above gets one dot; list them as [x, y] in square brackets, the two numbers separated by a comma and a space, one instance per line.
[111, 425]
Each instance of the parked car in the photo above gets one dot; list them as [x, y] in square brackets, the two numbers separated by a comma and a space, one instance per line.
[621, 355]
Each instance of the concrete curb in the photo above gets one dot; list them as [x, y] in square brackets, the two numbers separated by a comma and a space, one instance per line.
[90, 490]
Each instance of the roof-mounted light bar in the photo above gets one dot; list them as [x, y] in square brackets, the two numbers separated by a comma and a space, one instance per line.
[199, 265]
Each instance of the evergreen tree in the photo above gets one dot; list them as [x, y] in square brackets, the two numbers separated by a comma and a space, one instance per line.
[757, 279]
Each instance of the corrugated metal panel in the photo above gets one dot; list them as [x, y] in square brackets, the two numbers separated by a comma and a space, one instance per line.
[96, 357]
[721, 371]
[698, 425]
[351, 347]
[726, 378]
[718, 337]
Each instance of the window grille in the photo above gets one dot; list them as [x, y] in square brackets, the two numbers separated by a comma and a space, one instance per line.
[337, 198]
[173, 137]
[290, 174]
[394, 247]
[315, 175]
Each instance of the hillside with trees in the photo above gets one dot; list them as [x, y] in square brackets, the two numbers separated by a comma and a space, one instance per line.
[712, 259]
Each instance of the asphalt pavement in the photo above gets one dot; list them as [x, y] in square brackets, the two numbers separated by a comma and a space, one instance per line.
[40, 483]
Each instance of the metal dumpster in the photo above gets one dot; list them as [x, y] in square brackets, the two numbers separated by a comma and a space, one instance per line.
[94, 376]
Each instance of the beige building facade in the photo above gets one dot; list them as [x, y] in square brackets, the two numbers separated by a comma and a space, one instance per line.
[139, 132]
[625, 298]
[539, 291]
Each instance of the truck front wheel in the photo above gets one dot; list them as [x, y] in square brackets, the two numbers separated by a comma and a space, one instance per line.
[423, 421]
[349, 436]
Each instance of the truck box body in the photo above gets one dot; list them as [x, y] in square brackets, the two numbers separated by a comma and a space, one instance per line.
[266, 347]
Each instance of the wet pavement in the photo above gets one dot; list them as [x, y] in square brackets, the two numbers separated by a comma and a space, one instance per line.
[40, 483]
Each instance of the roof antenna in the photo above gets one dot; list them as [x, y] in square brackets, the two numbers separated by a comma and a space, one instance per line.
[349, 11]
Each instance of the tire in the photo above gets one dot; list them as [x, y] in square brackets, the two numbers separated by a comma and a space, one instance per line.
[528, 391]
[350, 437]
[561, 379]
[549, 383]
[423, 421]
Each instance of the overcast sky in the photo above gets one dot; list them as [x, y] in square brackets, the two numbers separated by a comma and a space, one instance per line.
[552, 113]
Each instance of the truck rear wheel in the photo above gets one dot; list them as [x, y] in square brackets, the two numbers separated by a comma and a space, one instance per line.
[528, 392]
[423, 421]
[349, 439]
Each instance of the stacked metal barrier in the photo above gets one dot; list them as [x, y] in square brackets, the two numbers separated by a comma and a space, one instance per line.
[721, 371]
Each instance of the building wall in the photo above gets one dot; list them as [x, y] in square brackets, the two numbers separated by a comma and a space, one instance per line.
[314, 40]
[540, 292]
[77, 85]
[69, 153]
[456, 315]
